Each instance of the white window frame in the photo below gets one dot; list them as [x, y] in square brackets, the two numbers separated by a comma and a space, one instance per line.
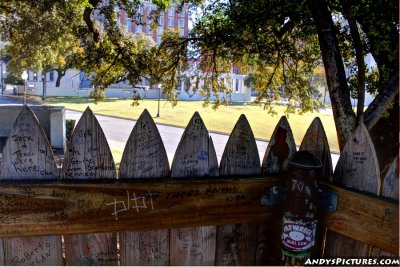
[181, 23]
[171, 22]
[148, 30]
[171, 12]
[160, 30]
[128, 24]
[161, 20]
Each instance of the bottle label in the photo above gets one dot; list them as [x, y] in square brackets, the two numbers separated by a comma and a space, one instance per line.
[297, 235]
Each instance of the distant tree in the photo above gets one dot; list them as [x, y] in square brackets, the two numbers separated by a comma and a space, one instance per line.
[40, 35]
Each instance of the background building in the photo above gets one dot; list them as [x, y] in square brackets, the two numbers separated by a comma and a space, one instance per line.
[169, 19]
[75, 83]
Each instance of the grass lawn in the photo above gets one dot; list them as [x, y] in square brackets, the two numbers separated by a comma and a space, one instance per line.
[221, 120]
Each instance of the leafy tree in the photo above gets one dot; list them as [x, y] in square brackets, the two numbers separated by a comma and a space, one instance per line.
[40, 35]
[281, 44]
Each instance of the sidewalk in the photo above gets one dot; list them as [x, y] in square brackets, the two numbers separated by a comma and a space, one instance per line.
[8, 99]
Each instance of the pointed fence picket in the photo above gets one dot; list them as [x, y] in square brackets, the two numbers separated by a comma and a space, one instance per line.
[279, 150]
[186, 216]
[357, 168]
[88, 156]
[144, 157]
[27, 155]
[315, 141]
[237, 243]
[194, 157]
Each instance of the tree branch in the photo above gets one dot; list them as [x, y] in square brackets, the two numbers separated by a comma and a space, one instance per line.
[345, 119]
[88, 20]
[359, 59]
[381, 102]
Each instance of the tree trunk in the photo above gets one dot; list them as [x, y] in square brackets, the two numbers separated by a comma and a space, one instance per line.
[339, 92]
[60, 74]
[385, 136]
[388, 94]
[357, 44]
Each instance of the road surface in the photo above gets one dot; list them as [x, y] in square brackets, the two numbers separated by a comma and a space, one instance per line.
[117, 132]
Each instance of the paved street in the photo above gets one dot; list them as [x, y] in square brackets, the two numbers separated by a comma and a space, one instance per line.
[118, 130]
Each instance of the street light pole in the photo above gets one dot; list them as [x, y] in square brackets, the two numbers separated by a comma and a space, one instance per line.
[24, 76]
[44, 85]
[159, 96]
[2, 79]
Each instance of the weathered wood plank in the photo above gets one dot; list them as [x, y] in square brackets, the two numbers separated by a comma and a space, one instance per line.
[88, 156]
[390, 187]
[79, 207]
[212, 159]
[240, 155]
[357, 168]
[280, 148]
[27, 155]
[316, 142]
[48, 208]
[237, 243]
[148, 248]
[144, 157]
[367, 218]
[194, 156]
[2, 261]
[144, 154]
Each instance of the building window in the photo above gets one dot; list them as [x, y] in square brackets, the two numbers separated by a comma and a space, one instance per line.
[148, 29]
[181, 23]
[236, 85]
[161, 20]
[138, 18]
[128, 24]
[139, 9]
[182, 32]
[159, 40]
[149, 10]
[51, 76]
[170, 22]
[160, 30]
[138, 28]
[171, 12]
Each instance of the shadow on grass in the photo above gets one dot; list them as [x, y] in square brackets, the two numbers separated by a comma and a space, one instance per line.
[80, 100]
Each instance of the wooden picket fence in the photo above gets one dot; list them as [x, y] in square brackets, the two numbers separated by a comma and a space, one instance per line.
[196, 212]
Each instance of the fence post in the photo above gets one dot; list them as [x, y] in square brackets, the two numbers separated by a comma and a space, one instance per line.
[27, 155]
[299, 210]
[144, 157]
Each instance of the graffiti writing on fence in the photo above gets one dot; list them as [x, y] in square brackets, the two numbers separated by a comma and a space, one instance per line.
[133, 202]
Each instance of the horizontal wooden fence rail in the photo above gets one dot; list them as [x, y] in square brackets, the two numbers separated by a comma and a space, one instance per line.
[83, 207]
[365, 217]
[47, 208]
